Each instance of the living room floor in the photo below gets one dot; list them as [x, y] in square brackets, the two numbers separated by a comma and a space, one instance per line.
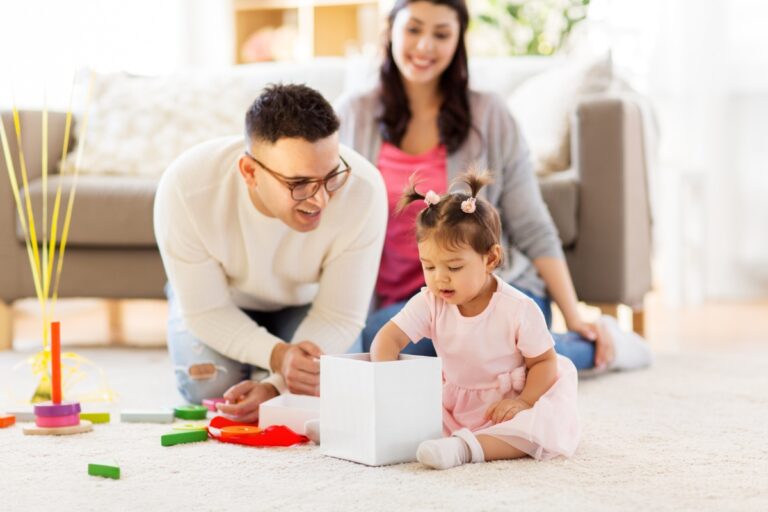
[687, 434]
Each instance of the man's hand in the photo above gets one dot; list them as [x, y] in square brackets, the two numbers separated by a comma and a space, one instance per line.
[299, 364]
[505, 410]
[243, 400]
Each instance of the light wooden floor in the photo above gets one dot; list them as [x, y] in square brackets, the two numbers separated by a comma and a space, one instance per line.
[86, 323]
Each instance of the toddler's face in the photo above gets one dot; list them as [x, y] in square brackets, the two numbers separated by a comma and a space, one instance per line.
[455, 275]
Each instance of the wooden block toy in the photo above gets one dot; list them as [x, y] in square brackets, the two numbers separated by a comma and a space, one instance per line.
[56, 363]
[191, 412]
[23, 415]
[104, 470]
[95, 417]
[146, 416]
[50, 409]
[57, 421]
[6, 420]
[84, 426]
[210, 403]
[191, 426]
[181, 437]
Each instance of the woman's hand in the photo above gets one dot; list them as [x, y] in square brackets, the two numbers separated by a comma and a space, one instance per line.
[603, 343]
[505, 410]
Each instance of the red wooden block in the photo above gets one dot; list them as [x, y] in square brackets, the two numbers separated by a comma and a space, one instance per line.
[6, 420]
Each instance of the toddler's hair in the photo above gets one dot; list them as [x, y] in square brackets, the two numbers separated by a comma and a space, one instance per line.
[457, 219]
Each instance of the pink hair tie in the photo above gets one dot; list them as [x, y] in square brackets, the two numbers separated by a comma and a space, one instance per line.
[431, 198]
[469, 206]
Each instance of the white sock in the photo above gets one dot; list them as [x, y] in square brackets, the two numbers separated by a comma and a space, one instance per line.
[630, 350]
[449, 452]
[444, 453]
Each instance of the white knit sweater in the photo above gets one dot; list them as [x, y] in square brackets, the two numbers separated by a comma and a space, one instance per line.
[221, 254]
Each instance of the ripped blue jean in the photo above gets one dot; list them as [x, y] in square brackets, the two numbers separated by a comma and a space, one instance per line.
[200, 371]
[569, 344]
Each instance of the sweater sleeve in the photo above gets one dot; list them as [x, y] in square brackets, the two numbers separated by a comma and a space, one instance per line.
[347, 279]
[201, 286]
[524, 214]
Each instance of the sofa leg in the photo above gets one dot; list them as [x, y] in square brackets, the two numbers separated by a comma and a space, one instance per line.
[6, 326]
[638, 321]
[608, 309]
[115, 318]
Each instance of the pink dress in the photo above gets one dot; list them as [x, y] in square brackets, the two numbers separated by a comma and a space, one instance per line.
[483, 363]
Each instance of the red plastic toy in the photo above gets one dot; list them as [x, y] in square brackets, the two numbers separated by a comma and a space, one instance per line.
[276, 435]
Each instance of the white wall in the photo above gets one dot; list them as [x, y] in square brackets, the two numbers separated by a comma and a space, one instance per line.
[705, 65]
[43, 42]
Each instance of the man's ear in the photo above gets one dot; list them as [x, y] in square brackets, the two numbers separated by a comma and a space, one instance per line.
[494, 258]
[247, 169]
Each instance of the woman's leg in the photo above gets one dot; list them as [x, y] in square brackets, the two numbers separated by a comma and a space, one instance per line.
[201, 372]
[377, 320]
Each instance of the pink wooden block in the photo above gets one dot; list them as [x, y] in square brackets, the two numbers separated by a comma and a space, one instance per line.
[57, 421]
[210, 403]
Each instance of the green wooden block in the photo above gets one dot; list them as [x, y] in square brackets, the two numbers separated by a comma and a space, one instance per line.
[104, 470]
[191, 412]
[183, 436]
[95, 417]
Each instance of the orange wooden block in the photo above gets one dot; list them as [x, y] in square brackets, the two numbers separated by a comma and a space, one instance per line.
[7, 420]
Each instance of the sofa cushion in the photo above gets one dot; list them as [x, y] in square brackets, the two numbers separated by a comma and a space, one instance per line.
[561, 193]
[137, 125]
[116, 211]
[109, 211]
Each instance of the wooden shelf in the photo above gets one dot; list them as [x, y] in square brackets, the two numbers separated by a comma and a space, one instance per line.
[322, 27]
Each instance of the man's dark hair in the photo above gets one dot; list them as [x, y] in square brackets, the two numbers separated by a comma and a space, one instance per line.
[292, 111]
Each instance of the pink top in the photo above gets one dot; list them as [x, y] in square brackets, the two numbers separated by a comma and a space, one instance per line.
[400, 273]
[484, 361]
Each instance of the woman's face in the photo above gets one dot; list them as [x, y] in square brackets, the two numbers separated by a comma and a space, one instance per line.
[424, 39]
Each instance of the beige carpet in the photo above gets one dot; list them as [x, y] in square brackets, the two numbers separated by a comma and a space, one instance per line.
[690, 434]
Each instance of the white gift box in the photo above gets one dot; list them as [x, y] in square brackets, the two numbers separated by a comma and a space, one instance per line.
[289, 410]
[378, 413]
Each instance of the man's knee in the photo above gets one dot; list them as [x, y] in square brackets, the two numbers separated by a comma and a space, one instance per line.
[199, 381]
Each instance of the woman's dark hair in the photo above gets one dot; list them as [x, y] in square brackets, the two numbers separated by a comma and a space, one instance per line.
[290, 110]
[458, 218]
[454, 120]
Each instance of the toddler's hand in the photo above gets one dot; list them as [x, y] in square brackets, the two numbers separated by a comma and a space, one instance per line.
[505, 410]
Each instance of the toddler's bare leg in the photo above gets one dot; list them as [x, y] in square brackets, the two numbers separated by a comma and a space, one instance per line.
[496, 449]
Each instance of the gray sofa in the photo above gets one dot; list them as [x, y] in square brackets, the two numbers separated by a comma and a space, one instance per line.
[600, 207]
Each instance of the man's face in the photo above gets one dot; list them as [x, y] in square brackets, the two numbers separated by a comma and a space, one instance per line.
[295, 160]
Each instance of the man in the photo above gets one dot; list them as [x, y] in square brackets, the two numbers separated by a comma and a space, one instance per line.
[271, 252]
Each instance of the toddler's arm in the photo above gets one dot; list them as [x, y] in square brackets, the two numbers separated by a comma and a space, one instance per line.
[542, 373]
[388, 343]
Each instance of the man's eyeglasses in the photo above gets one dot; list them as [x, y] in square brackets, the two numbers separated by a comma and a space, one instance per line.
[304, 188]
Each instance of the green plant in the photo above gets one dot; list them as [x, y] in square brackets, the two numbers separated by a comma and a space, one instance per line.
[530, 27]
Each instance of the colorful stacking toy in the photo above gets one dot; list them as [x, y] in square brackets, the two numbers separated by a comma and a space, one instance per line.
[57, 417]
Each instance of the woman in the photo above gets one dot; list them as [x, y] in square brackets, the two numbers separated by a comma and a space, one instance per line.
[423, 117]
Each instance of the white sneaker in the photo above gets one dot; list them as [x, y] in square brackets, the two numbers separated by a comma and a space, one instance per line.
[631, 351]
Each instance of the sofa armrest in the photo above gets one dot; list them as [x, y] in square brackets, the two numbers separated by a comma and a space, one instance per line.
[13, 257]
[611, 260]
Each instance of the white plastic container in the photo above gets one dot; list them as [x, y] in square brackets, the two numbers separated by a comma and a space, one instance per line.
[378, 413]
[289, 410]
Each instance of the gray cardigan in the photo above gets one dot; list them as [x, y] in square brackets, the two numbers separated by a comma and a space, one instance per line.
[495, 143]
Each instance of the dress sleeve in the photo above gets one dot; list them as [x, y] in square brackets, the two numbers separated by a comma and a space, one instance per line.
[533, 337]
[416, 317]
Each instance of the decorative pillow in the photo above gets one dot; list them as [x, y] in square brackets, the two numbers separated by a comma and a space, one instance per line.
[543, 105]
[139, 125]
